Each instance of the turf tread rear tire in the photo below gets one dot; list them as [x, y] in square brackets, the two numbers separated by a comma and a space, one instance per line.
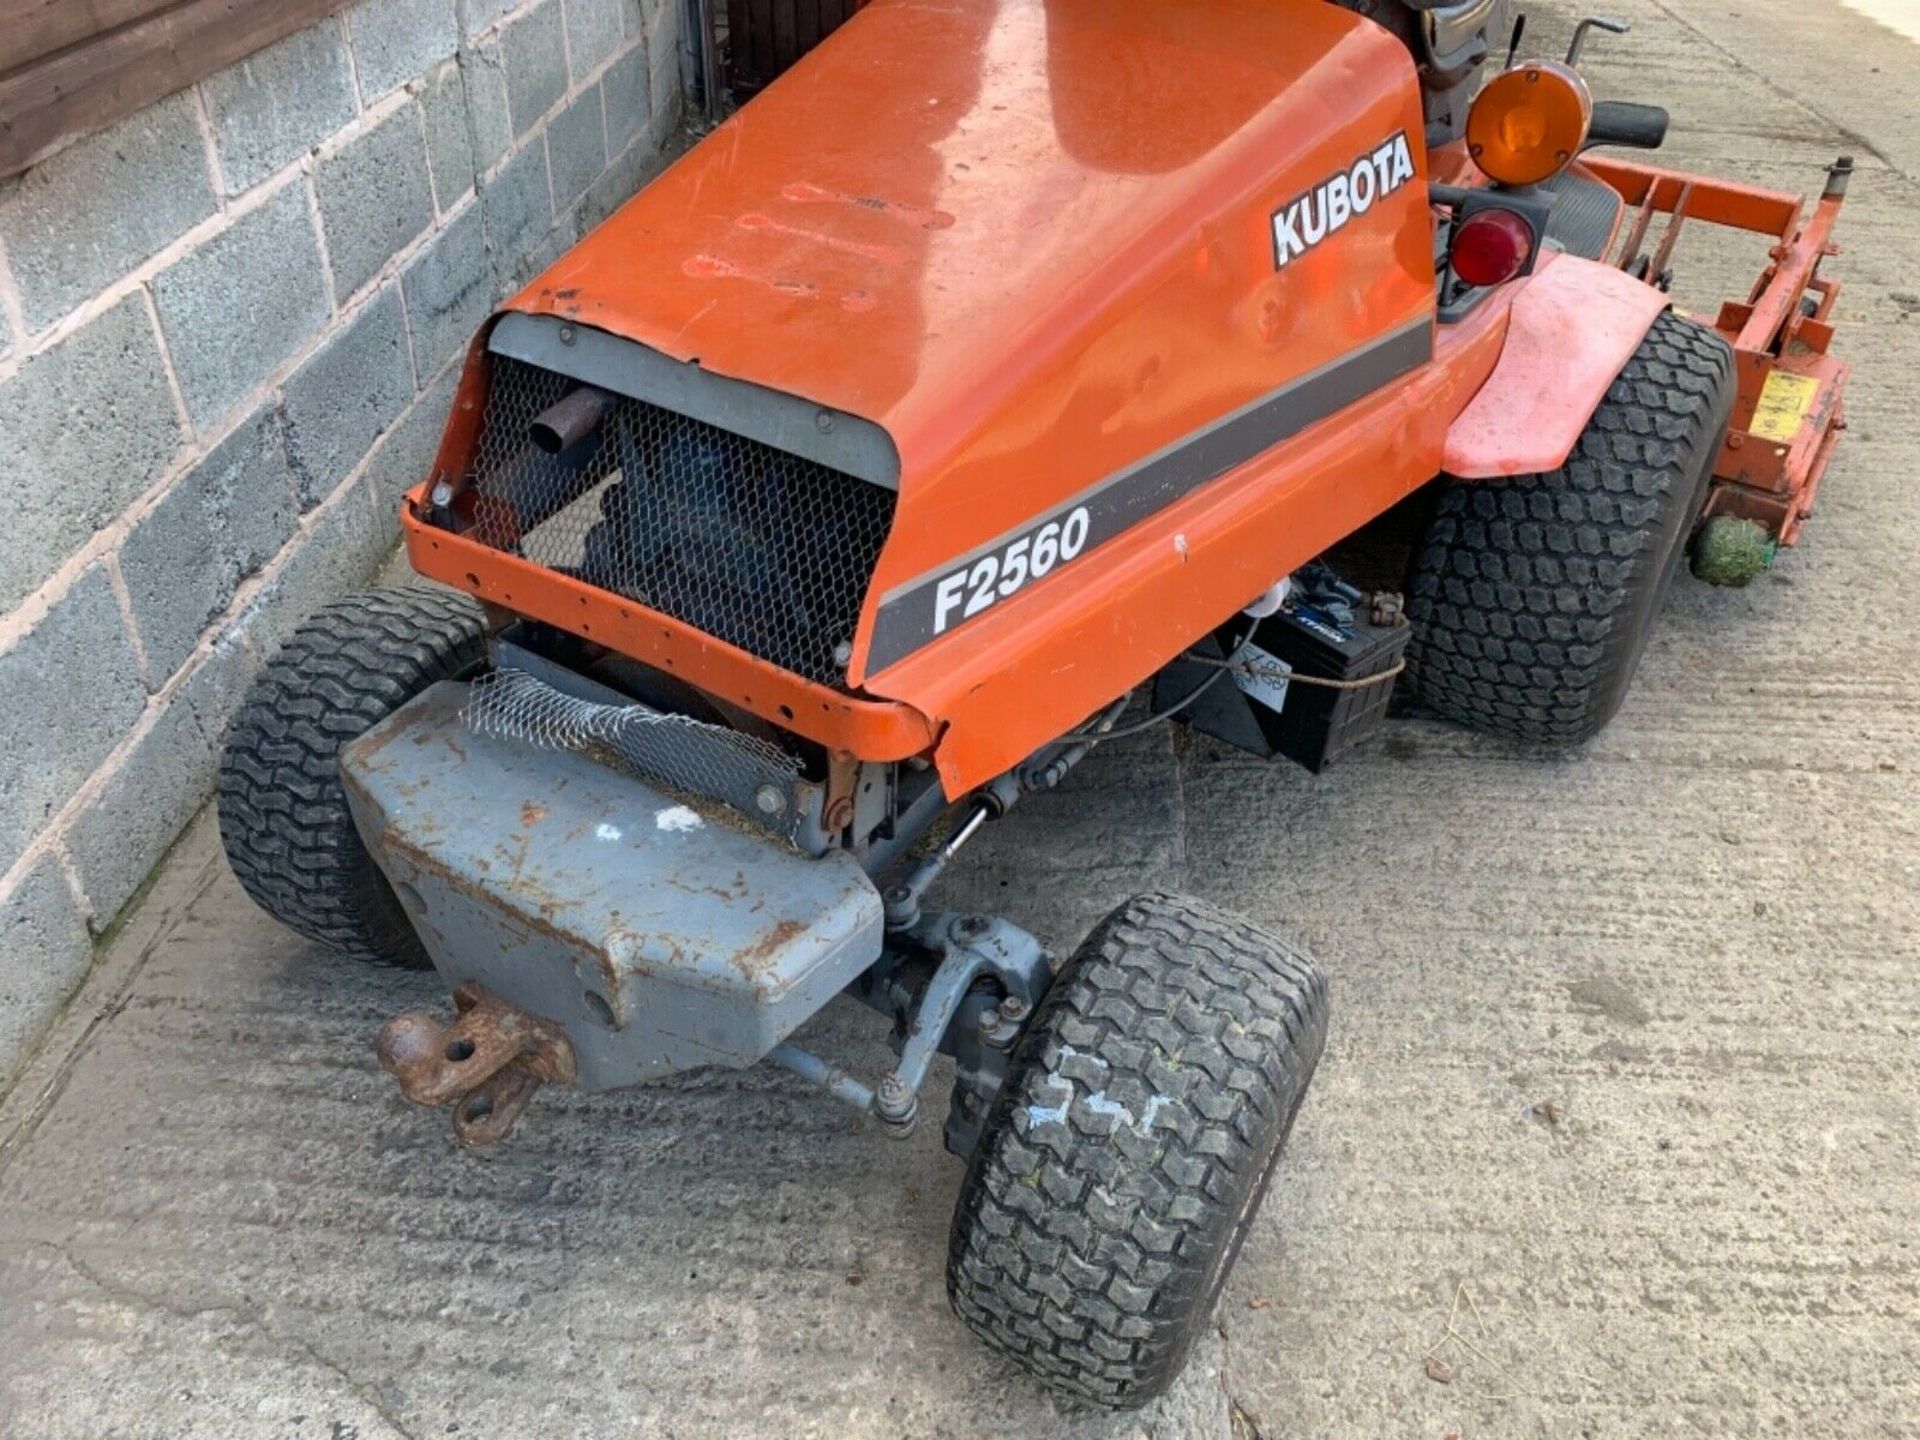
[1532, 597]
[283, 810]
[1091, 1248]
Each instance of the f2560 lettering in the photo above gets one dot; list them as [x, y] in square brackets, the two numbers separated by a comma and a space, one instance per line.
[1000, 573]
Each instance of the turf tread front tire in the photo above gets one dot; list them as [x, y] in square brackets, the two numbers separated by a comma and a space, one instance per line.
[283, 811]
[1131, 1144]
[1532, 597]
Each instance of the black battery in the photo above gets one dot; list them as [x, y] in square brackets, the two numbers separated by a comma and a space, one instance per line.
[1314, 725]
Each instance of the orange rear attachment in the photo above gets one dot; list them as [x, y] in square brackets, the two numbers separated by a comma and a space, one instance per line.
[1790, 411]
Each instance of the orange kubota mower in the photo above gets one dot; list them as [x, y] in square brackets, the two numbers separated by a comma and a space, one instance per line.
[1003, 363]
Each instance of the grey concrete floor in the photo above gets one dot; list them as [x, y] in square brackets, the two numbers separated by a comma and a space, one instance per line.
[1620, 1104]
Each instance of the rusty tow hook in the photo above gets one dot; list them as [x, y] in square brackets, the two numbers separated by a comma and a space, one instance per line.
[486, 1064]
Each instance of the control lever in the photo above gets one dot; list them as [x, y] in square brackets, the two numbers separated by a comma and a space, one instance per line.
[1593, 22]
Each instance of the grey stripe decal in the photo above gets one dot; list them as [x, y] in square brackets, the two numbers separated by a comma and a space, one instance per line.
[911, 614]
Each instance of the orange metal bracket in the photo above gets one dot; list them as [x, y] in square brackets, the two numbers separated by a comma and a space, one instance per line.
[872, 729]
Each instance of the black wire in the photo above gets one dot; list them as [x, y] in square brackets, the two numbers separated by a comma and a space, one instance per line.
[1094, 737]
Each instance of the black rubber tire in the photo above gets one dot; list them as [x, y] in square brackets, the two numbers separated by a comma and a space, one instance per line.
[1128, 1151]
[1532, 598]
[283, 811]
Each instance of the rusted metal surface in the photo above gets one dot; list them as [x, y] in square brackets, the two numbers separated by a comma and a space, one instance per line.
[1663, 257]
[655, 932]
[487, 1064]
[569, 420]
[843, 773]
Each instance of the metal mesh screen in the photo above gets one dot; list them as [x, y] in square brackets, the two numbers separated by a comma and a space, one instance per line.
[675, 751]
[757, 547]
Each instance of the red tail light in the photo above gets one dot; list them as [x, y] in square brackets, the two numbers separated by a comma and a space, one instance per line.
[1490, 247]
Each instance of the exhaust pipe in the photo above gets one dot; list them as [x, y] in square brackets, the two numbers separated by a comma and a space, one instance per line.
[570, 420]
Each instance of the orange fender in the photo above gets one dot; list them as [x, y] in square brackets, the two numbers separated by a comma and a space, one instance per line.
[1572, 329]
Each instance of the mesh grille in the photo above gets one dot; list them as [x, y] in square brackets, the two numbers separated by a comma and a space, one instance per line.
[765, 550]
[675, 751]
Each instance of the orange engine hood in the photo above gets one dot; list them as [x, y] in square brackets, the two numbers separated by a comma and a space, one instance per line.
[942, 197]
[1036, 242]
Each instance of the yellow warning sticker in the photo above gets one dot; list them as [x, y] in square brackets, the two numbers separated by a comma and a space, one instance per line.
[1784, 402]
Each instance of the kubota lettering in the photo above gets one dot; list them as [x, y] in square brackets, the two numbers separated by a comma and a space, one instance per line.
[1326, 209]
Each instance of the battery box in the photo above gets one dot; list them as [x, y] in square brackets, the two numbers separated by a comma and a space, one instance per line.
[1261, 708]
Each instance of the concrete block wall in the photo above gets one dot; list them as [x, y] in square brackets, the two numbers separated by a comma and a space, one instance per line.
[230, 327]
